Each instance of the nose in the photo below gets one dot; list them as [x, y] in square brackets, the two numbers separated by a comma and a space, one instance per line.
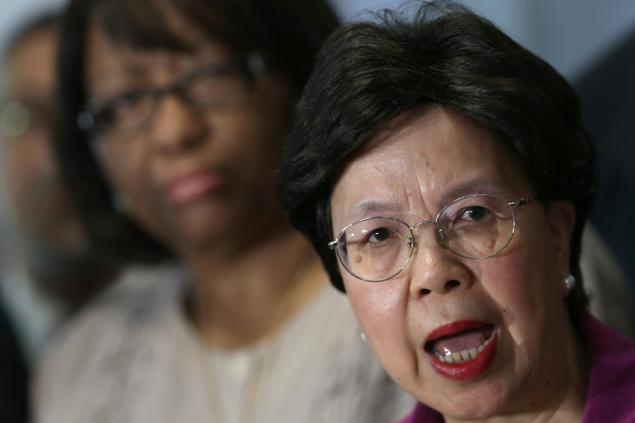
[435, 270]
[176, 126]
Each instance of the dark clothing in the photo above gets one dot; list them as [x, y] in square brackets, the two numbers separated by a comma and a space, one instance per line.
[14, 404]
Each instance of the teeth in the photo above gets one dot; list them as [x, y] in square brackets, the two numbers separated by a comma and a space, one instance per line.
[461, 356]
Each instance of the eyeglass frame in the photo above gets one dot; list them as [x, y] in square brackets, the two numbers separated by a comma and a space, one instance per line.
[438, 234]
[252, 66]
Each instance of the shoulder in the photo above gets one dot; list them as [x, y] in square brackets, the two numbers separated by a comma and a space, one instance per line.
[134, 302]
[348, 382]
[612, 379]
[98, 347]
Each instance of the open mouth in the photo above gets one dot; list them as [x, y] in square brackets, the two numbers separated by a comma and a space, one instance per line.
[462, 350]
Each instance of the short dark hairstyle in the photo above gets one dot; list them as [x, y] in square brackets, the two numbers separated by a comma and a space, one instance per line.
[369, 73]
[287, 33]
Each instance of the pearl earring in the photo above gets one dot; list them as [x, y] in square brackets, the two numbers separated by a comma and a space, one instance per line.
[569, 282]
[362, 335]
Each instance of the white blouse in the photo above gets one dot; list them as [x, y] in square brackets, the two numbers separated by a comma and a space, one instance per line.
[133, 357]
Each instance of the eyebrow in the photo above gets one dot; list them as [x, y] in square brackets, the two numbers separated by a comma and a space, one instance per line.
[372, 207]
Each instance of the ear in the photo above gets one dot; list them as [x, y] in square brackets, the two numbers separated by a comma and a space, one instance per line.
[561, 220]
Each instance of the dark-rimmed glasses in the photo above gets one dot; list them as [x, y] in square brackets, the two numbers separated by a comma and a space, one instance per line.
[215, 85]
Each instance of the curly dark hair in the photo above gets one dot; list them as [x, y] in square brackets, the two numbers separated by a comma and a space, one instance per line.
[368, 73]
[287, 33]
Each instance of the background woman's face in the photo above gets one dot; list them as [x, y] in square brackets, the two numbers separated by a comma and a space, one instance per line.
[513, 301]
[191, 177]
[41, 204]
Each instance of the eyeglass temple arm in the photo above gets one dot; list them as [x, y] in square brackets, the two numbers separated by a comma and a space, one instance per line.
[522, 202]
[332, 244]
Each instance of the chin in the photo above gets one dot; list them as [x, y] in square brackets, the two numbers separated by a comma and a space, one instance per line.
[472, 407]
[205, 237]
[479, 399]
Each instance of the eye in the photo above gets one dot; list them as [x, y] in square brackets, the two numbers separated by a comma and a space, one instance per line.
[124, 111]
[378, 235]
[474, 213]
[375, 233]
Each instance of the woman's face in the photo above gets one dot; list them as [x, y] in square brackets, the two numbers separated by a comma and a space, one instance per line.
[193, 177]
[40, 201]
[512, 303]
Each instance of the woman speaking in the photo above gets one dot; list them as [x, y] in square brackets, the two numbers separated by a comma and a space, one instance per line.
[442, 173]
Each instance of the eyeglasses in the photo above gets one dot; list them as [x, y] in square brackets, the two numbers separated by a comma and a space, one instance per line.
[475, 226]
[213, 86]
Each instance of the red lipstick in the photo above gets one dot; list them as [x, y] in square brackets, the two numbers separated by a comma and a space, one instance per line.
[463, 350]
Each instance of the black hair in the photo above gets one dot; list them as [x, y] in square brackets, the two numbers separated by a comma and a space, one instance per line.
[369, 73]
[287, 33]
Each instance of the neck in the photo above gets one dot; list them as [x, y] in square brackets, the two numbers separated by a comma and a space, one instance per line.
[240, 298]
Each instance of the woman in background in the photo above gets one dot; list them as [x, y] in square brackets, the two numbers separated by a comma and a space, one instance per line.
[171, 120]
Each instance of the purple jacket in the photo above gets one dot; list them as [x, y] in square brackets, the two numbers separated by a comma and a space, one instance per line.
[611, 391]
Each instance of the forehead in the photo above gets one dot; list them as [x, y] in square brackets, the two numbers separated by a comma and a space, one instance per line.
[423, 160]
[144, 32]
[108, 61]
[32, 60]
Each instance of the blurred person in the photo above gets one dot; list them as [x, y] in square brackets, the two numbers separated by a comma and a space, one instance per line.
[48, 267]
[171, 120]
[444, 176]
[606, 283]
[607, 91]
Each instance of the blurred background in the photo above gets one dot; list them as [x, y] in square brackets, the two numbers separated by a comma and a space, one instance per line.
[569, 34]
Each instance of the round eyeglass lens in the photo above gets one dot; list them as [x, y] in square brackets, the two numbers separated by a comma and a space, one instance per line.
[476, 226]
[125, 113]
[375, 249]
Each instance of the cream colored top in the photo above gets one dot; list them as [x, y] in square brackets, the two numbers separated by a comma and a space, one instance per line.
[135, 358]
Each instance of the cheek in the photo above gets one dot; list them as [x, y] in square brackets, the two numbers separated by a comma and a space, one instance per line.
[29, 159]
[250, 145]
[381, 309]
[127, 170]
[258, 132]
[376, 305]
[123, 166]
[526, 291]
[253, 142]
